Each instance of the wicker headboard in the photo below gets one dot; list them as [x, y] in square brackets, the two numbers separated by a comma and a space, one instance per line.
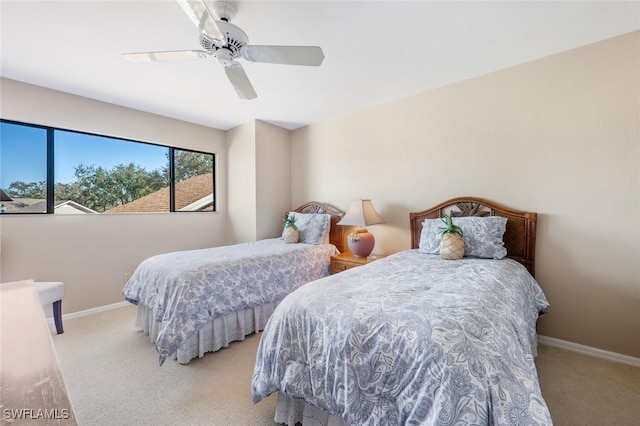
[336, 234]
[519, 238]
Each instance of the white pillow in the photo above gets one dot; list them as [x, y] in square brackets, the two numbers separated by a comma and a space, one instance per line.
[314, 227]
[483, 236]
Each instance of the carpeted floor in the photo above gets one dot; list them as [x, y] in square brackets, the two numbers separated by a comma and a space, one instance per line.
[583, 390]
[113, 377]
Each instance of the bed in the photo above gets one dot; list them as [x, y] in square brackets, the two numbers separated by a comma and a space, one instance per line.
[198, 301]
[412, 338]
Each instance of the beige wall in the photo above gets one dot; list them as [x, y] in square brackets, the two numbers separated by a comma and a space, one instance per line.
[559, 136]
[92, 254]
[241, 183]
[259, 188]
[273, 178]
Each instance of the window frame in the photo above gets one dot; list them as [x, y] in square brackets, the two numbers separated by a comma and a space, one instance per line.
[50, 172]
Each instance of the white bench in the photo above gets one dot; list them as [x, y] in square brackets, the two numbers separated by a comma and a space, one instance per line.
[50, 293]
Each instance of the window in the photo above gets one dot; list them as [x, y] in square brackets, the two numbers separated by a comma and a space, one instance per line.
[47, 170]
[23, 169]
[193, 180]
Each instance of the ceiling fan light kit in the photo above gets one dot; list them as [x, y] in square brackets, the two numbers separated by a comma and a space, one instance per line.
[227, 42]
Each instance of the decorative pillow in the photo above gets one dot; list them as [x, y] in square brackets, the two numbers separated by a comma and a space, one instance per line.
[482, 236]
[430, 236]
[313, 227]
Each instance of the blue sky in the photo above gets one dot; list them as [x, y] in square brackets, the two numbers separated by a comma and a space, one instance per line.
[23, 153]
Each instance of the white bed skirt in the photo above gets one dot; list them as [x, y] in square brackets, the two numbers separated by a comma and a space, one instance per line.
[292, 411]
[216, 334]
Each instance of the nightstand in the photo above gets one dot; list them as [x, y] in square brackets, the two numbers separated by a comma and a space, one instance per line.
[343, 261]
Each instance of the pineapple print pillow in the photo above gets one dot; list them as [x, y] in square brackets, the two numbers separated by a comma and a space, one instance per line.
[482, 236]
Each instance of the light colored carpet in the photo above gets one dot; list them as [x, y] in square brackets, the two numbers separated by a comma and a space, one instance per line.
[113, 378]
[583, 390]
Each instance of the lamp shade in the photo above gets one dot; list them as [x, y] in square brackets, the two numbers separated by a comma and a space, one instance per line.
[361, 213]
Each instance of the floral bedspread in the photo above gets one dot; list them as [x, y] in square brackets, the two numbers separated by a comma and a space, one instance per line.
[410, 339]
[185, 290]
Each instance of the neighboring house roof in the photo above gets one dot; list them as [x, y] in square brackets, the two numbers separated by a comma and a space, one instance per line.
[193, 194]
[4, 196]
[26, 205]
[38, 205]
[71, 207]
[202, 204]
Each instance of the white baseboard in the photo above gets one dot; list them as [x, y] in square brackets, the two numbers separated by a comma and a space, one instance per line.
[92, 311]
[588, 350]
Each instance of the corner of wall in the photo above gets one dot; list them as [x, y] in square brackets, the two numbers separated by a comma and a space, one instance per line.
[241, 178]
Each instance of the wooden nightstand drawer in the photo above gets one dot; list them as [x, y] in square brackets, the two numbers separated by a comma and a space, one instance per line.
[339, 266]
[343, 261]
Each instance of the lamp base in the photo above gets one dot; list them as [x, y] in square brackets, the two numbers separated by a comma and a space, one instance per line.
[361, 242]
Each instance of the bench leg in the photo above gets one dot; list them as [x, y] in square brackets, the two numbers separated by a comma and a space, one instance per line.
[57, 316]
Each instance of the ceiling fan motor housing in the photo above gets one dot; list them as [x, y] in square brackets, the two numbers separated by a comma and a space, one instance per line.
[235, 40]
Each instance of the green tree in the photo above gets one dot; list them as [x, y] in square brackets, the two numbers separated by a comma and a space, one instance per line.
[188, 164]
[68, 191]
[19, 189]
[101, 189]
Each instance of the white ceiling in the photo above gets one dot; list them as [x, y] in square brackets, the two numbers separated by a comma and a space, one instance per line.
[375, 51]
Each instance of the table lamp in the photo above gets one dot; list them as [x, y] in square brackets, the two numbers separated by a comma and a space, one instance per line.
[361, 213]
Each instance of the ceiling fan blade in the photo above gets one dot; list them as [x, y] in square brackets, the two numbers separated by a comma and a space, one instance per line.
[240, 81]
[175, 55]
[199, 13]
[292, 55]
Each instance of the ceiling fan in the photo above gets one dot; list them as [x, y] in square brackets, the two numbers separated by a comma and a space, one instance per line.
[226, 42]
